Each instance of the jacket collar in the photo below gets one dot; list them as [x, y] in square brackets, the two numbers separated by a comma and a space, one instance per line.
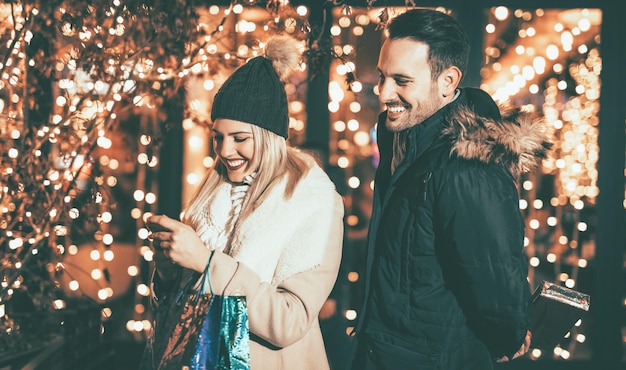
[480, 130]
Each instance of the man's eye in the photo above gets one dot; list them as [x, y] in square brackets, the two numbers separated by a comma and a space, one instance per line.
[402, 82]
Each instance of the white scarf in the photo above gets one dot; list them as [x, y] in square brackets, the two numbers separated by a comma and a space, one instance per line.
[219, 218]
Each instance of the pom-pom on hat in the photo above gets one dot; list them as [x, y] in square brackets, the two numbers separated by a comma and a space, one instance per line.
[255, 92]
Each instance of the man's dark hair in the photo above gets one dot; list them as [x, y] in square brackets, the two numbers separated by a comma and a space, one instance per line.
[448, 44]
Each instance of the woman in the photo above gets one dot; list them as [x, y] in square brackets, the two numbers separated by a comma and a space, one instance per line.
[268, 213]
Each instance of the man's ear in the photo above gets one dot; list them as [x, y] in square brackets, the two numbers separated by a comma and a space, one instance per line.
[449, 80]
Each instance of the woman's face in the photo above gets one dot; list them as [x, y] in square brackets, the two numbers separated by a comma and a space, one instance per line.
[233, 143]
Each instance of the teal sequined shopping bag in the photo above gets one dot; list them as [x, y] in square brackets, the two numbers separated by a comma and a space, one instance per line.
[211, 332]
[230, 348]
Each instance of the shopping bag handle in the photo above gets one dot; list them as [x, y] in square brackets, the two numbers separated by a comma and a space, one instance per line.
[206, 275]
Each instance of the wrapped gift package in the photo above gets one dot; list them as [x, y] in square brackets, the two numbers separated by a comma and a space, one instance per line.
[556, 310]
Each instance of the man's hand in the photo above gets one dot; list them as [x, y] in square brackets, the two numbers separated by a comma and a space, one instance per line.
[522, 350]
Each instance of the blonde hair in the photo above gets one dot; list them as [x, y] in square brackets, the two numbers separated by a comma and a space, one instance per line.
[273, 160]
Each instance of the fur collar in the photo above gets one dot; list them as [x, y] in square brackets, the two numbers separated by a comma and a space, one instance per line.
[282, 237]
[517, 141]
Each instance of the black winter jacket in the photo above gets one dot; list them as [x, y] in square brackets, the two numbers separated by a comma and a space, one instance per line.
[446, 283]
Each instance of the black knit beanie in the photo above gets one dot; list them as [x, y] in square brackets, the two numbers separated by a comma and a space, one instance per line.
[255, 93]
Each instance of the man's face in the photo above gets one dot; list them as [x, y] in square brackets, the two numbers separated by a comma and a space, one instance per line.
[405, 85]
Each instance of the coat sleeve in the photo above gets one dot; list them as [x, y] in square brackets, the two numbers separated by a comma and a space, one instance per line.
[283, 314]
[484, 259]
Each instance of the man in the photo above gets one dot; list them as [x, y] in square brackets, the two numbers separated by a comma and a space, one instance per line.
[446, 283]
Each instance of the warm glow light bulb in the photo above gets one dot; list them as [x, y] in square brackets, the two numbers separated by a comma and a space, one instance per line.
[109, 255]
[74, 285]
[552, 52]
[138, 195]
[132, 270]
[534, 261]
[94, 254]
[501, 13]
[350, 315]
[302, 10]
[142, 289]
[106, 217]
[354, 182]
[107, 239]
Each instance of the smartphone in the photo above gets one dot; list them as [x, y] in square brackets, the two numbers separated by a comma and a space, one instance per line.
[154, 227]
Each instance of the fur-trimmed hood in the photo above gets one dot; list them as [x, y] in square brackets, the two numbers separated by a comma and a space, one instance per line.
[517, 140]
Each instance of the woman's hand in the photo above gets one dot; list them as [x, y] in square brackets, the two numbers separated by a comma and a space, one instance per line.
[179, 242]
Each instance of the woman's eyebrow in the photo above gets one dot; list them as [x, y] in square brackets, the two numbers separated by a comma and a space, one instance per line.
[232, 133]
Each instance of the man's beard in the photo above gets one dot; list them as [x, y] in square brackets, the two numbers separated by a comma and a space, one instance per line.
[415, 115]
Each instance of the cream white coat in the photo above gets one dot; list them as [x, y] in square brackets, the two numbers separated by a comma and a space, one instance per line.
[285, 258]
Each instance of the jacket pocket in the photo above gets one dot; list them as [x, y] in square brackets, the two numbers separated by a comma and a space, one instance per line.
[396, 353]
[417, 216]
